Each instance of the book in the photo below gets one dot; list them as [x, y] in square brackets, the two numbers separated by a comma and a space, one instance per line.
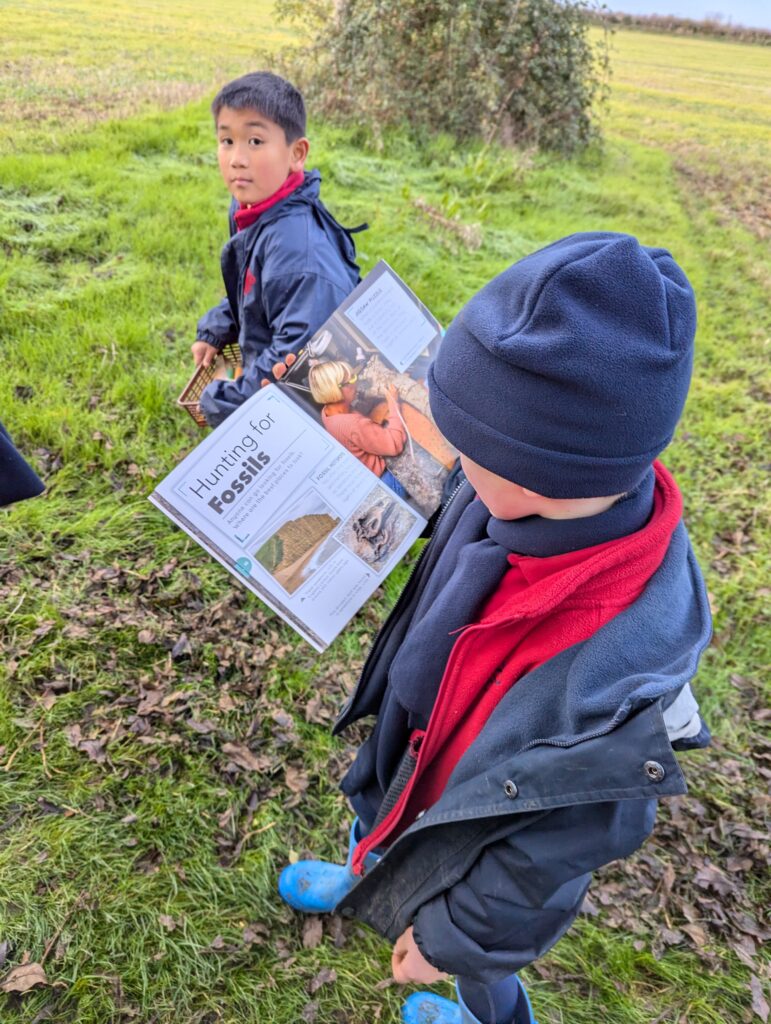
[310, 502]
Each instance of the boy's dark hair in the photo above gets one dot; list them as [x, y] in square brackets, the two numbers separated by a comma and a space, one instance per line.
[270, 95]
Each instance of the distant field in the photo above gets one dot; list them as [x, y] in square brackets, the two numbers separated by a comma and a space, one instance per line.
[709, 103]
[74, 62]
[164, 739]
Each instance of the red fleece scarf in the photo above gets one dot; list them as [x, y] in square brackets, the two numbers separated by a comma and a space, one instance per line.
[247, 215]
[542, 607]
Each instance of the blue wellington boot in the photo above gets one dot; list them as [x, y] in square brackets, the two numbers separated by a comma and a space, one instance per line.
[316, 886]
[427, 1008]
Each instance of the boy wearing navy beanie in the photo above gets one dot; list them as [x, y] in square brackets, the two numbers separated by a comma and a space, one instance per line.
[531, 685]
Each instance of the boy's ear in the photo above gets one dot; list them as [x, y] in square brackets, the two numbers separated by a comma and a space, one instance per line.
[300, 150]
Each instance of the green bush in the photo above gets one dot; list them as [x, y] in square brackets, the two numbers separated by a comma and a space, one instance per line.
[520, 71]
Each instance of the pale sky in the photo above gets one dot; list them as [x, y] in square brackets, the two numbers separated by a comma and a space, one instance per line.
[751, 13]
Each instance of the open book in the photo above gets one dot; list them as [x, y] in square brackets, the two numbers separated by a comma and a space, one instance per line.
[314, 488]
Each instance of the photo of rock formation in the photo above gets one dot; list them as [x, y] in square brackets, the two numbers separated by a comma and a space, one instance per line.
[301, 543]
[377, 527]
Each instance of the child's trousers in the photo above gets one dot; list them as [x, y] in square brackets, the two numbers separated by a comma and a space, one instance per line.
[317, 886]
[491, 1004]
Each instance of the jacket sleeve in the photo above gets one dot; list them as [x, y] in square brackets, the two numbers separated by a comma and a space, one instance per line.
[217, 327]
[295, 306]
[523, 892]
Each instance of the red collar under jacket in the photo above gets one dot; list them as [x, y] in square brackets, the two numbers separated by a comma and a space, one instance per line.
[247, 215]
[541, 607]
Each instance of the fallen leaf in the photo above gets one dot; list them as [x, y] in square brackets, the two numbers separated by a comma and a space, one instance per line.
[296, 779]
[735, 864]
[150, 701]
[203, 728]
[760, 1005]
[312, 932]
[696, 932]
[225, 702]
[172, 698]
[313, 709]
[76, 631]
[23, 978]
[255, 934]
[93, 748]
[711, 877]
[283, 719]
[182, 648]
[243, 757]
[326, 976]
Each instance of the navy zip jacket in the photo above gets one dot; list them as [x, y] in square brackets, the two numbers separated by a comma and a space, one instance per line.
[284, 276]
[563, 777]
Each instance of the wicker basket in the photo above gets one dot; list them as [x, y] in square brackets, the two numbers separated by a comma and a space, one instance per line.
[227, 366]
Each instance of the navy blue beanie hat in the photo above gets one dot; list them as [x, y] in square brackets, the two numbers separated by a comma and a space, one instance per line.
[568, 372]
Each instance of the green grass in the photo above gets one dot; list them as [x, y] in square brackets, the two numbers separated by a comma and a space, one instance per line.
[153, 860]
[78, 62]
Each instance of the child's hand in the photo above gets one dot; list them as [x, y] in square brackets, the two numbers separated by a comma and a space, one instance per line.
[279, 369]
[392, 392]
[204, 354]
[409, 965]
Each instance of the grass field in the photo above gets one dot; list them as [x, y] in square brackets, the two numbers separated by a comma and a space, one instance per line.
[164, 740]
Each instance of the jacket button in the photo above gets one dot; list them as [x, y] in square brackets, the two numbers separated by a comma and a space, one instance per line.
[347, 912]
[510, 789]
[654, 771]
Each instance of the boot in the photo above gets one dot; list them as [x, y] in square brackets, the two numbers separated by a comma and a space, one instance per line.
[316, 886]
[427, 1008]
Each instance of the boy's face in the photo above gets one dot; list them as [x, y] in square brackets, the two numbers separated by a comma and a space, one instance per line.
[507, 500]
[254, 157]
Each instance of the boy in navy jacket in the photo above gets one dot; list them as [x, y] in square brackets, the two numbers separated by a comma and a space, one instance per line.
[532, 683]
[288, 264]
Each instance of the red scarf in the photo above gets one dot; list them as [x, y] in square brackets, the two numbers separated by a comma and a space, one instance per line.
[248, 214]
[543, 607]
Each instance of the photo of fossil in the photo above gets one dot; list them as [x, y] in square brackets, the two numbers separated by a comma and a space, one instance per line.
[376, 528]
[301, 543]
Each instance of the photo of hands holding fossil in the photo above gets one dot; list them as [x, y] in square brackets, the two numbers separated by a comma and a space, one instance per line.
[377, 413]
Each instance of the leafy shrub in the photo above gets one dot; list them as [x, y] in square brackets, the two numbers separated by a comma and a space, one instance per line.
[522, 71]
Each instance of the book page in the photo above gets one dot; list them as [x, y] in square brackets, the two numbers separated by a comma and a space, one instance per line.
[294, 516]
[378, 344]
[388, 316]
